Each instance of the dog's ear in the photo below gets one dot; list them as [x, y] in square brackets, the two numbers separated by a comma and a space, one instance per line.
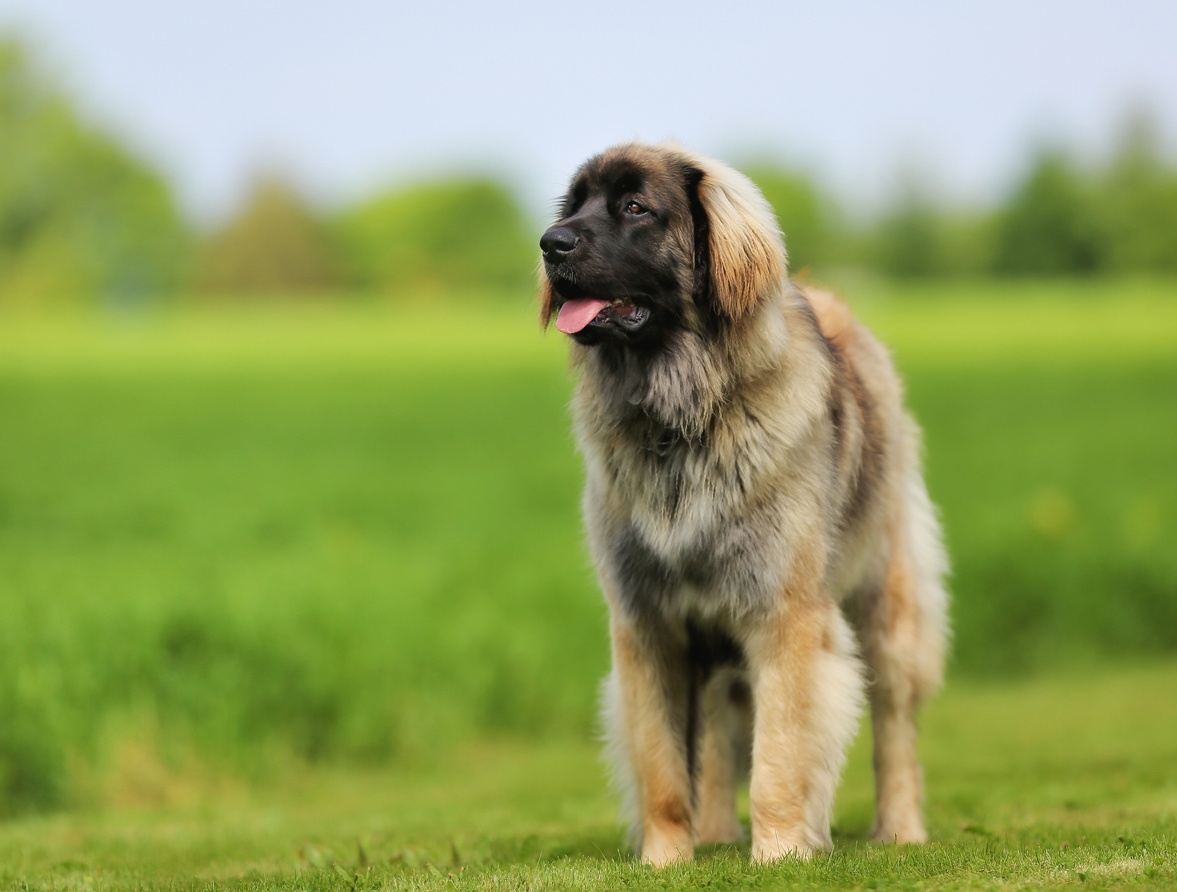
[746, 256]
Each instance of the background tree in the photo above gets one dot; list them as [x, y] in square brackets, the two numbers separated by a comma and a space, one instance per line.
[808, 217]
[80, 216]
[445, 235]
[908, 241]
[1138, 201]
[273, 244]
[1051, 224]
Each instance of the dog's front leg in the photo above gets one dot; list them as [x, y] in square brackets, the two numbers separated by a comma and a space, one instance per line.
[807, 695]
[649, 692]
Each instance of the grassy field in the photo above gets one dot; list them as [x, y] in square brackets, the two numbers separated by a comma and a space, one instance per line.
[1058, 783]
[340, 544]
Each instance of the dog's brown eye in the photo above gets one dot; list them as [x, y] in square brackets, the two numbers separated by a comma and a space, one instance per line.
[634, 208]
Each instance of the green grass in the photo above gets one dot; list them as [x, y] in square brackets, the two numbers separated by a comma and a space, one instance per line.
[1058, 783]
[236, 542]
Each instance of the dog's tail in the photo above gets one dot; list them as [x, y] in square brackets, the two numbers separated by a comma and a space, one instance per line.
[929, 569]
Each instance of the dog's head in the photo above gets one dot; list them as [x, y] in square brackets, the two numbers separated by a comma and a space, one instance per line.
[652, 239]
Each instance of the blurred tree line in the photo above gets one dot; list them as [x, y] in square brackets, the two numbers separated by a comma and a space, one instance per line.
[82, 216]
[1060, 218]
[78, 213]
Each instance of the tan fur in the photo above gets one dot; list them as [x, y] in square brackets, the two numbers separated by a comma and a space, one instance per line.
[662, 785]
[808, 689]
[747, 254]
[757, 483]
[545, 298]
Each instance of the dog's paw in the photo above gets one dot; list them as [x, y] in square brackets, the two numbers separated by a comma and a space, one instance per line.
[777, 847]
[910, 832]
[664, 849]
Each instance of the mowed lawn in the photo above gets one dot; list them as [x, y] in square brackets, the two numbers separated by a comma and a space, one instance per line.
[296, 597]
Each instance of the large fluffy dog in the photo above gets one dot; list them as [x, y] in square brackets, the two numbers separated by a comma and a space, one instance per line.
[755, 508]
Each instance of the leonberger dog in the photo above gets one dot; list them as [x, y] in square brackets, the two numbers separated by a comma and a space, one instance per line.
[755, 508]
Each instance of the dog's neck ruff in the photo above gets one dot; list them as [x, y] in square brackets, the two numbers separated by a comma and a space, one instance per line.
[682, 386]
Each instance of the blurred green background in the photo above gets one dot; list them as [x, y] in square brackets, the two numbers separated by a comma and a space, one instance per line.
[299, 486]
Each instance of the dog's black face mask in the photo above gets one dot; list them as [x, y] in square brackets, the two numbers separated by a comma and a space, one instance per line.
[621, 259]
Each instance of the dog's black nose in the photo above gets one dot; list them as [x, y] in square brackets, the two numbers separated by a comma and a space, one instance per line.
[558, 242]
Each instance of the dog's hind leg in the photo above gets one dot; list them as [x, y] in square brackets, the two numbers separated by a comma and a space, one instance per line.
[725, 714]
[903, 632]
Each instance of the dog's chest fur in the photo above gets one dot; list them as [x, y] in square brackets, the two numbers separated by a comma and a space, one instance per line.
[680, 492]
[695, 524]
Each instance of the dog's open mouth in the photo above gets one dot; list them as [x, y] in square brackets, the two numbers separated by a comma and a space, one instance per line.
[578, 314]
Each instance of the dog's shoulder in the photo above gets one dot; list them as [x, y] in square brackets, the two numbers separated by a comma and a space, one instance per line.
[833, 317]
[854, 346]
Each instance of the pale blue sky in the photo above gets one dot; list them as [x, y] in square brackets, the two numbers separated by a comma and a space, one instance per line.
[356, 93]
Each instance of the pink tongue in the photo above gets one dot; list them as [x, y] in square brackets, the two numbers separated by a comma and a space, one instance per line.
[576, 314]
